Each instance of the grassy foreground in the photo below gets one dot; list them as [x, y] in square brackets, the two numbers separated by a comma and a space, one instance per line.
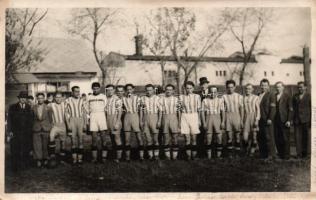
[242, 175]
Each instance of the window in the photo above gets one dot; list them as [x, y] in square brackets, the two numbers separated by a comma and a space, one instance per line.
[224, 72]
[301, 73]
[216, 73]
[265, 73]
[220, 73]
[272, 73]
[170, 76]
[287, 74]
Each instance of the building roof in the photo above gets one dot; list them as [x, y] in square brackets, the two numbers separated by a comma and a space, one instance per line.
[293, 59]
[64, 55]
[189, 58]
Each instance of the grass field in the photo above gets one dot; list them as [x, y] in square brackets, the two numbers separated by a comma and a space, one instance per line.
[242, 175]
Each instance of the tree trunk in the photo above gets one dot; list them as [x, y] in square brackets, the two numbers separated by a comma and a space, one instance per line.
[178, 79]
[103, 78]
[162, 67]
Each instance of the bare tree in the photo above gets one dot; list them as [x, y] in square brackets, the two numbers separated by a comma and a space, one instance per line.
[90, 23]
[112, 62]
[248, 25]
[154, 41]
[21, 51]
[177, 32]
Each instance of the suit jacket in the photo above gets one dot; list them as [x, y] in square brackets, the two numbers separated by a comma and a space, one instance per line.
[267, 106]
[20, 120]
[203, 96]
[302, 108]
[284, 108]
[45, 123]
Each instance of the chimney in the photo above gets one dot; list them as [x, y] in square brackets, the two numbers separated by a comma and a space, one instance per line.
[138, 45]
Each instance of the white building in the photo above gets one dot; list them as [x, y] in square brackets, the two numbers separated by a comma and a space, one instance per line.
[66, 63]
[70, 62]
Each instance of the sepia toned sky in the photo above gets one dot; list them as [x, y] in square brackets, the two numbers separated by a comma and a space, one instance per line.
[285, 36]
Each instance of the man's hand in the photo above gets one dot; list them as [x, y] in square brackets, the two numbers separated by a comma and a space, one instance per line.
[256, 124]
[116, 126]
[141, 125]
[11, 134]
[158, 124]
[269, 122]
[222, 126]
[288, 124]
[241, 124]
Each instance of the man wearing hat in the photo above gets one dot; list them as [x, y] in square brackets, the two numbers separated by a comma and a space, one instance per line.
[204, 85]
[204, 88]
[19, 129]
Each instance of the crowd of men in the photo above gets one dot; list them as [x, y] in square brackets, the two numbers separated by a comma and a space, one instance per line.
[204, 125]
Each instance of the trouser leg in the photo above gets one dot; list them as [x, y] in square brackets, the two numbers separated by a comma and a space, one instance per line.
[37, 146]
[298, 140]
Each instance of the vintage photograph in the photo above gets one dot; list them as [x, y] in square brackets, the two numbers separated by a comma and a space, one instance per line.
[157, 99]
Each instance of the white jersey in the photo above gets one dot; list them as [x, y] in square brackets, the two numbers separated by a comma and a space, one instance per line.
[190, 103]
[233, 102]
[58, 112]
[169, 105]
[150, 105]
[74, 107]
[213, 106]
[114, 105]
[252, 105]
[96, 103]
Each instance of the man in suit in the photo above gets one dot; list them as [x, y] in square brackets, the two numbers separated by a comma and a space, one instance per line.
[42, 116]
[204, 93]
[302, 121]
[266, 139]
[204, 88]
[19, 128]
[283, 119]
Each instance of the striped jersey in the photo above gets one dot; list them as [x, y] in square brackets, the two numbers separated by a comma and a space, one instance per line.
[74, 107]
[131, 104]
[150, 105]
[96, 103]
[190, 103]
[252, 105]
[213, 106]
[169, 105]
[58, 112]
[233, 102]
[114, 105]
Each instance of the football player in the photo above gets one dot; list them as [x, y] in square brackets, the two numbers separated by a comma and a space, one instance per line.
[190, 118]
[251, 119]
[234, 117]
[96, 105]
[213, 115]
[151, 120]
[170, 122]
[113, 116]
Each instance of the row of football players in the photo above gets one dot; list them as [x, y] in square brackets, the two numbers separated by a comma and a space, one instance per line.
[180, 118]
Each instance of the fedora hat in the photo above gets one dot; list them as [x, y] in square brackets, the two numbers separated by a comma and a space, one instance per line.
[23, 94]
[203, 80]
